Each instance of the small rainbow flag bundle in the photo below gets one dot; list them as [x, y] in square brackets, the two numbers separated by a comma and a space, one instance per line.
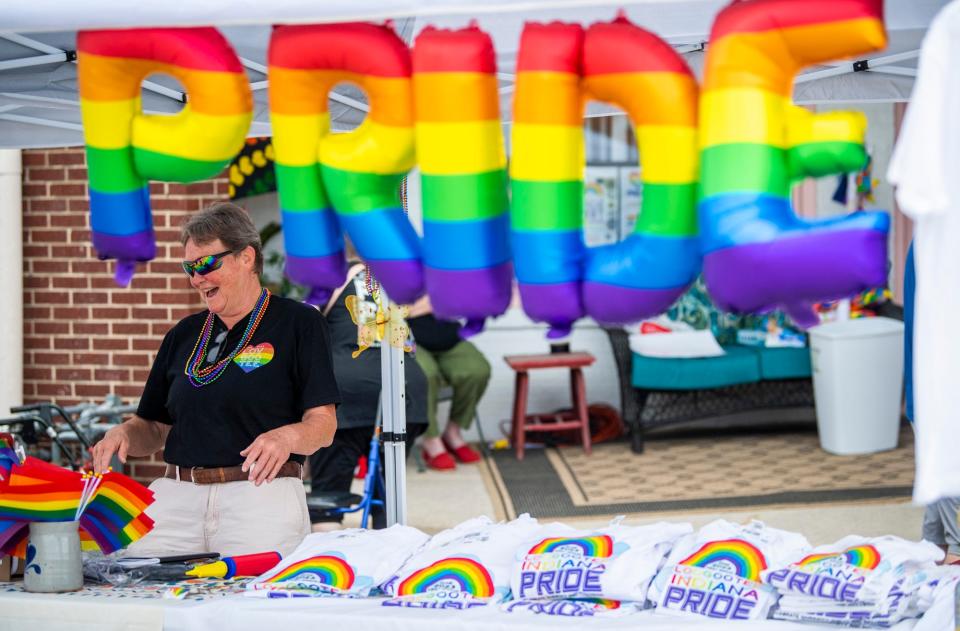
[109, 506]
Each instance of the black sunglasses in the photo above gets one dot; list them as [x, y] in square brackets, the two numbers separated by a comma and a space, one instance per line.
[205, 264]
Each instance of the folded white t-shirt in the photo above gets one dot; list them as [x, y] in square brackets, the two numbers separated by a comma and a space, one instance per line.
[340, 563]
[466, 566]
[613, 563]
[716, 572]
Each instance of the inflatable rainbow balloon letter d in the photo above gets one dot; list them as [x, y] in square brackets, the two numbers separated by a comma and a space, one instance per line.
[126, 149]
[755, 144]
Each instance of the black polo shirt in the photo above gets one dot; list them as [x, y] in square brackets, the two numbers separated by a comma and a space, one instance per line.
[211, 425]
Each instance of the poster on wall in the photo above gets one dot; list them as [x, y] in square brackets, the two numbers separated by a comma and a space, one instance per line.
[631, 192]
[601, 206]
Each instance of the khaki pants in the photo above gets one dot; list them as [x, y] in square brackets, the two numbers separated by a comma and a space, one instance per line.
[230, 518]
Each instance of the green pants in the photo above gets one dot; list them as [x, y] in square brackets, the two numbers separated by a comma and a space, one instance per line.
[462, 367]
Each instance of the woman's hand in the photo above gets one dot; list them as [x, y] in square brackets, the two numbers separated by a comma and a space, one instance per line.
[115, 441]
[268, 453]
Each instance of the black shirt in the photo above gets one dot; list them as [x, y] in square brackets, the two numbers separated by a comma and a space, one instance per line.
[433, 334]
[214, 423]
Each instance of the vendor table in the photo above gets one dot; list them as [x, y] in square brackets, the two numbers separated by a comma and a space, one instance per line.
[122, 609]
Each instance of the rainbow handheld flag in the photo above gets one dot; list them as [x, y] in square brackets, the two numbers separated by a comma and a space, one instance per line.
[110, 510]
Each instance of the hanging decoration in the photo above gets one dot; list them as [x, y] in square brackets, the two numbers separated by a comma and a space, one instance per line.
[758, 255]
[466, 253]
[126, 148]
[354, 175]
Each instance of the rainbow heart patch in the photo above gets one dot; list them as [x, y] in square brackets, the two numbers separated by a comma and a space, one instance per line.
[253, 357]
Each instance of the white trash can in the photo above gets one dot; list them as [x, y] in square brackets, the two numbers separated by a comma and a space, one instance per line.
[858, 384]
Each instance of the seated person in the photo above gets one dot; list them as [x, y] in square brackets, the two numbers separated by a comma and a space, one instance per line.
[331, 470]
[447, 359]
[237, 396]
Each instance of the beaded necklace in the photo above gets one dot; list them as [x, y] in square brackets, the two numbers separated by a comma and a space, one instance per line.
[200, 377]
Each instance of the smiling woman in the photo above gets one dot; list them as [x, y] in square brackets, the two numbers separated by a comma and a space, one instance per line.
[238, 395]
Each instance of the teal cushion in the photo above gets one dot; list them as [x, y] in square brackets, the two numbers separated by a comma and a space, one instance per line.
[739, 365]
[784, 363]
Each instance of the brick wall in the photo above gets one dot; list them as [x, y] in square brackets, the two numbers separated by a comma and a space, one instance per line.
[85, 337]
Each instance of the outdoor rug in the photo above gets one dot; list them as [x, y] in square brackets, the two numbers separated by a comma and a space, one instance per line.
[722, 470]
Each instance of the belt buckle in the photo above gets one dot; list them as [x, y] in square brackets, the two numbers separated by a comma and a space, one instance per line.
[192, 469]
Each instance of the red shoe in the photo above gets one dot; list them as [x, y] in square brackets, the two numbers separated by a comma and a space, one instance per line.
[441, 462]
[464, 453]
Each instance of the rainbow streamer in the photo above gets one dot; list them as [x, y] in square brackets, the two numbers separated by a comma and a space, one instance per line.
[546, 174]
[358, 172]
[866, 556]
[330, 571]
[743, 556]
[126, 148]
[469, 575]
[112, 518]
[466, 226]
[642, 275]
[755, 143]
[600, 546]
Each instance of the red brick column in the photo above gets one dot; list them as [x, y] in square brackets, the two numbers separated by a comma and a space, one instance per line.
[85, 337]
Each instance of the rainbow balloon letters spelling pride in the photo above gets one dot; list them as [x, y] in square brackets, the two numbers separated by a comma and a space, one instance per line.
[465, 577]
[751, 146]
[756, 143]
[126, 149]
[466, 251]
[359, 172]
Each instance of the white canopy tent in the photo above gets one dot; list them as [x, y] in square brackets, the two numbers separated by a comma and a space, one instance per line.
[38, 91]
[39, 105]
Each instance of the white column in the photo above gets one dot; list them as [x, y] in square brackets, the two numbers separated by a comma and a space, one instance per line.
[11, 280]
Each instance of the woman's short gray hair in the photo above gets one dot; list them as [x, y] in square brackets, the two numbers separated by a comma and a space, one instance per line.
[227, 222]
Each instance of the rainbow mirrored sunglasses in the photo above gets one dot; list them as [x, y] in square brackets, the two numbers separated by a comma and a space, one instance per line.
[205, 264]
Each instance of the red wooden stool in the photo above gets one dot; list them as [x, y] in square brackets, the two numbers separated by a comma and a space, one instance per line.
[522, 422]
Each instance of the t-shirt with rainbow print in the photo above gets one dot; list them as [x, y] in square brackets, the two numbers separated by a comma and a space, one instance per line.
[349, 562]
[716, 572]
[614, 563]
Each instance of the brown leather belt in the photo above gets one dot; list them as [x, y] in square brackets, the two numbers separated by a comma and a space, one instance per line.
[216, 475]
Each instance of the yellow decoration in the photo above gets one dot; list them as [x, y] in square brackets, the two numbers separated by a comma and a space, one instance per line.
[393, 328]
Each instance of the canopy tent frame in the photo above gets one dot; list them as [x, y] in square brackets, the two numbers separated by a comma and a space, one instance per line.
[41, 16]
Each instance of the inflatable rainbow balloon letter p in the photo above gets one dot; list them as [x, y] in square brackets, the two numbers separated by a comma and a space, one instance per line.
[358, 172]
[126, 148]
[755, 144]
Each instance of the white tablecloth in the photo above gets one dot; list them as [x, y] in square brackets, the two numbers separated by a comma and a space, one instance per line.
[21, 611]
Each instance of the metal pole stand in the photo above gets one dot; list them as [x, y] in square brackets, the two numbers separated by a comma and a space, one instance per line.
[393, 403]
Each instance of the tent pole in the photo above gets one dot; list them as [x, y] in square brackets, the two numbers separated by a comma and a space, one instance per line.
[393, 404]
